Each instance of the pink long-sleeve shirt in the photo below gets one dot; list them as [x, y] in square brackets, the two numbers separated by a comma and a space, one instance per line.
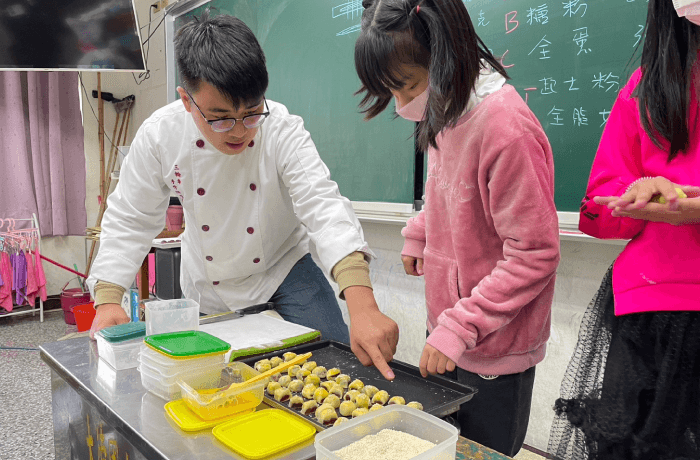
[658, 269]
[489, 237]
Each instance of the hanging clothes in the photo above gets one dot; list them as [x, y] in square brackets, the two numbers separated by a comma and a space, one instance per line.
[6, 289]
[20, 267]
[40, 275]
[15, 273]
[2, 275]
[32, 287]
[22, 277]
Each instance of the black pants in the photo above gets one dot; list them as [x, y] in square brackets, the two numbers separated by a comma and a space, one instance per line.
[497, 416]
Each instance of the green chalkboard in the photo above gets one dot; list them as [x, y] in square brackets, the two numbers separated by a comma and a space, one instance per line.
[569, 59]
[309, 46]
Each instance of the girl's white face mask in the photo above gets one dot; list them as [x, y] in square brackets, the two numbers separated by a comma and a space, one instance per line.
[690, 9]
[414, 110]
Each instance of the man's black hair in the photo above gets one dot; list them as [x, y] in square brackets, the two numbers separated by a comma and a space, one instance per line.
[222, 51]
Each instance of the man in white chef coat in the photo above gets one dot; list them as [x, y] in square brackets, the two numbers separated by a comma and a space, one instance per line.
[254, 191]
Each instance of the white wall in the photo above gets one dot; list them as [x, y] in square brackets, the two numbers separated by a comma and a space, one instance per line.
[582, 266]
[150, 95]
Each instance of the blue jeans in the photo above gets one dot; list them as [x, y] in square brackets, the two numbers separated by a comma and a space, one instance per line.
[306, 298]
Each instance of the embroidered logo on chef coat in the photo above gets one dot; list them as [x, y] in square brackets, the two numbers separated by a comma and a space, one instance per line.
[176, 182]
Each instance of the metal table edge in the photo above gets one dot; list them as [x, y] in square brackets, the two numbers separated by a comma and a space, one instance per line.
[135, 438]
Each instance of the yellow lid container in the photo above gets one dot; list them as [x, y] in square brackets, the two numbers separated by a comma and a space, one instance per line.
[263, 433]
[189, 421]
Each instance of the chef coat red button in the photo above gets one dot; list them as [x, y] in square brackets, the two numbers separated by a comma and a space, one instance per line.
[200, 191]
[256, 260]
[210, 258]
[216, 283]
[205, 228]
[253, 187]
[250, 230]
[200, 143]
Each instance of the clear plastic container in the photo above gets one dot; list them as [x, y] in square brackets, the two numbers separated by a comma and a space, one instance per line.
[168, 387]
[171, 373]
[209, 403]
[169, 367]
[395, 417]
[109, 383]
[119, 355]
[171, 316]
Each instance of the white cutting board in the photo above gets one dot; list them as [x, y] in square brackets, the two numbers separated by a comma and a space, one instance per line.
[258, 330]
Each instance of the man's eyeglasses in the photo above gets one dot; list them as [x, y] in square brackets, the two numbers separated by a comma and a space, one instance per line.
[226, 124]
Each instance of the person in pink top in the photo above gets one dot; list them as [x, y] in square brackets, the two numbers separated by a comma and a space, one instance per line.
[487, 240]
[631, 390]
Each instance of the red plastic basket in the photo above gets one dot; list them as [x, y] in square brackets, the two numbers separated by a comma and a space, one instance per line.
[70, 298]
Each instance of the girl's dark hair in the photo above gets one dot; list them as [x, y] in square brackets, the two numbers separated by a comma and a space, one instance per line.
[670, 50]
[440, 37]
[223, 52]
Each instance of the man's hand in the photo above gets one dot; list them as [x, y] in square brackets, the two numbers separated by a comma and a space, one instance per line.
[108, 314]
[373, 335]
[412, 266]
[434, 362]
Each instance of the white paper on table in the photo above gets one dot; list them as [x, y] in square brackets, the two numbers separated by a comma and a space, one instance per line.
[254, 331]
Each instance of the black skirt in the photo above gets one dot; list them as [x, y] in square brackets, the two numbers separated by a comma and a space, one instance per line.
[632, 388]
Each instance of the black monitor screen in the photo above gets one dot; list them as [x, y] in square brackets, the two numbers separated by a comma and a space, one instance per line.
[69, 34]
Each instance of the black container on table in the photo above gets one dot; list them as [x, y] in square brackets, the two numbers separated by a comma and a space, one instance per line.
[168, 273]
[439, 395]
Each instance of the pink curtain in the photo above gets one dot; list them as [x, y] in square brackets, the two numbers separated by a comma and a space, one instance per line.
[42, 158]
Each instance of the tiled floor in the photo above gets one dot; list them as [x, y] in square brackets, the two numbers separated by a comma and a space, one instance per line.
[25, 387]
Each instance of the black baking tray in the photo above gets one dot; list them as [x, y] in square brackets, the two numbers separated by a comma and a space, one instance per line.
[439, 395]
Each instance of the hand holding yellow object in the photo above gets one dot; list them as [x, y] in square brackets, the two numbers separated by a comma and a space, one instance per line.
[662, 200]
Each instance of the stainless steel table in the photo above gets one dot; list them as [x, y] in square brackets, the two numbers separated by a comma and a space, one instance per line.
[103, 414]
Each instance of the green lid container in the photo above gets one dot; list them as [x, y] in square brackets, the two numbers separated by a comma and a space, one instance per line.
[123, 332]
[187, 344]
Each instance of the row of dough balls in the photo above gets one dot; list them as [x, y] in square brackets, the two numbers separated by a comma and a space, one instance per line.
[302, 387]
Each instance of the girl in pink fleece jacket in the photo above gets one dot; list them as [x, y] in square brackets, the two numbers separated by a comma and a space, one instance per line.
[631, 390]
[487, 239]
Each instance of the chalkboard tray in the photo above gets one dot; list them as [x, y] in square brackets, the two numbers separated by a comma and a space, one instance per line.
[439, 395]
